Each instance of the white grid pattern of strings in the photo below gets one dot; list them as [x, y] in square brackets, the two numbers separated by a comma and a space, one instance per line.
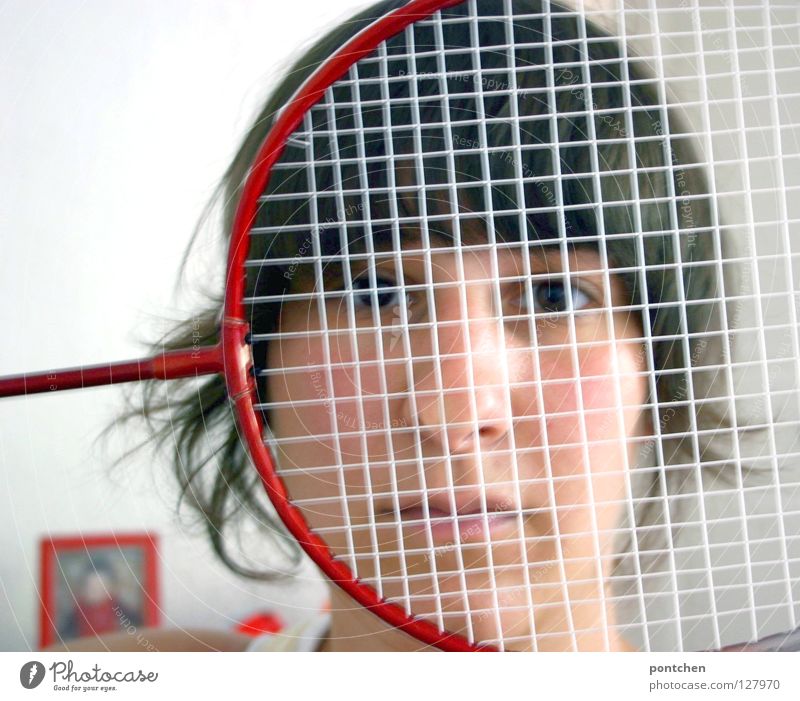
[727, 567]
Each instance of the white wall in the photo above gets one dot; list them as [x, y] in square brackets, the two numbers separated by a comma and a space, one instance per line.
[117, 121]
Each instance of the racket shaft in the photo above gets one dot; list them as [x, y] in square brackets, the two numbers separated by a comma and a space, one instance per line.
[190, 362]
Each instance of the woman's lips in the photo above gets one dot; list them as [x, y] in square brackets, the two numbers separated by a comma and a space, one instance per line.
[446, 527]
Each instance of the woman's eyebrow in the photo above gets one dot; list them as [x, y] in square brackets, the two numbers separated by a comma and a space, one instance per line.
[545, 258]
[579, 258]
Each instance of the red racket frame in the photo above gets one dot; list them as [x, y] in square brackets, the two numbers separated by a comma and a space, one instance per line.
[231, 357]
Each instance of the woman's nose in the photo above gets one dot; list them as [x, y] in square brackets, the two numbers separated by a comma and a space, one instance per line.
[462, 392]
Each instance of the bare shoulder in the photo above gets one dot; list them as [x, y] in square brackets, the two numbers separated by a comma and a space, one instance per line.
[158, 640]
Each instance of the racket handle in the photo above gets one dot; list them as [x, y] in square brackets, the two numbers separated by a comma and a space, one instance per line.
[190, 362]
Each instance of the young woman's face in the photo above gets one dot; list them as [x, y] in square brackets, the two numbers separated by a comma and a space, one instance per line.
[471, 467]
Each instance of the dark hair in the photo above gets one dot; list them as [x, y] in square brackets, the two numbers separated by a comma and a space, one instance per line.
[638, 182]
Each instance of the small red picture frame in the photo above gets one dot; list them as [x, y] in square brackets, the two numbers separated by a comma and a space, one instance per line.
[96, 585]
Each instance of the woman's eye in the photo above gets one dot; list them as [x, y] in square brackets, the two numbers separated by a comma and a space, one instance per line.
[551, 296]
[386, 293]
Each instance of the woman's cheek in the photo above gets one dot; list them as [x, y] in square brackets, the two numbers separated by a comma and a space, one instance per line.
[301, 421]
[359, 381]
[324, 392]
[587, 433]
[612, 390]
